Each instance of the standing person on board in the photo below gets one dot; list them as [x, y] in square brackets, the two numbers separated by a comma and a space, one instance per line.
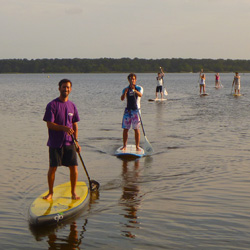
[133, 93]
[61, 116]
[217, 80]
[202, 82]
[159, 87]
[236, 83]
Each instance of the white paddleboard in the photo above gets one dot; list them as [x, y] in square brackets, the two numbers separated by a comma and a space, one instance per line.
[129, 151]
[157, 100]
[219, 87]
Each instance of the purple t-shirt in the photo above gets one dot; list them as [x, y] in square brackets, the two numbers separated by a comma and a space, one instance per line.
[62, 113]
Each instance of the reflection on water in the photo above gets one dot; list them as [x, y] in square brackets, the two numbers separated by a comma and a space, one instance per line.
[73, 241]
[130, 197]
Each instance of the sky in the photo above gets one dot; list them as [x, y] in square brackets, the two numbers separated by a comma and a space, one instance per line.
[149, 29]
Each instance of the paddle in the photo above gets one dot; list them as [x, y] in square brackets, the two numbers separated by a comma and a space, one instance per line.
[147, 146]
[164, 89]
[93, 185]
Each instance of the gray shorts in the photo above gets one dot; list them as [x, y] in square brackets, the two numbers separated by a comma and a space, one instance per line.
[65, 156]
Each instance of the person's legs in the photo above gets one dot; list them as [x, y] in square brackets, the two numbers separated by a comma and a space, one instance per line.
[73, 180]
[51, 180]
[137, 139]
[125, 138]
[126, 124]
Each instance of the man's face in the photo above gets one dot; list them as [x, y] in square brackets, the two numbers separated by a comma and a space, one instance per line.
[133, 80]
[65, 89]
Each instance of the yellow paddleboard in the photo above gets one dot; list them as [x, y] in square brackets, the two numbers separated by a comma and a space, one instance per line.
[60, 207]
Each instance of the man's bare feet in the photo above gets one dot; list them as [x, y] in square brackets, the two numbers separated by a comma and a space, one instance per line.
[138, 149]
[48, 196]
[75, 197]
[124, 148]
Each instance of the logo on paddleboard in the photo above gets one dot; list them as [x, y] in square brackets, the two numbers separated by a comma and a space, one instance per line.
[58, 217]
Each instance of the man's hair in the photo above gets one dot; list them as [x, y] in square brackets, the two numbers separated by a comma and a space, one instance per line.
[64, 81]
[131, 75]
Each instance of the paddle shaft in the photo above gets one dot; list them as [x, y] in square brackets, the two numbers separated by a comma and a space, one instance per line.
[73, 138]
[141, 123]
[148, 148]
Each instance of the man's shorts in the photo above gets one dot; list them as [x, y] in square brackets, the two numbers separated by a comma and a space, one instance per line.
[131, 117]
[65, 156]
[158, 89]
[237, 86]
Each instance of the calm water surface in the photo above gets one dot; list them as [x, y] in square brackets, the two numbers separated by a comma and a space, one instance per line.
[193, 193]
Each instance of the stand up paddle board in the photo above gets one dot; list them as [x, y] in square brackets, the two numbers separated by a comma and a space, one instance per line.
[130, 151]
[60, 207]
[219, 87]
[204, 94]
[236, 95]
[157, 100]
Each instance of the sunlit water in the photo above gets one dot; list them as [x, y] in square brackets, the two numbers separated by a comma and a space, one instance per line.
[193, 193]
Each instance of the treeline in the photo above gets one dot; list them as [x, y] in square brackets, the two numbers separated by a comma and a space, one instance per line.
[109, 65]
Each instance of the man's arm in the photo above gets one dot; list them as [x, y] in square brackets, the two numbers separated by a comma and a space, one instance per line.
[57, 127]
[124, 94]
[162, 71]
[138, 93]
[75, 127]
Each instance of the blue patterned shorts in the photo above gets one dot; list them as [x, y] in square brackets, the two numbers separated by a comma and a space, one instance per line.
[131, 117]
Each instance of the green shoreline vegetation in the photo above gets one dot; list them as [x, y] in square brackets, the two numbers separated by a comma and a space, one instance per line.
[122, 65]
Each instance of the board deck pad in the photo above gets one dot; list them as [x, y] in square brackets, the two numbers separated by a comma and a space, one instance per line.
[130, 151]
[60, 207]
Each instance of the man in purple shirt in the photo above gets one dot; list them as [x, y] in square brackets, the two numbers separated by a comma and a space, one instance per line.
[62, 116]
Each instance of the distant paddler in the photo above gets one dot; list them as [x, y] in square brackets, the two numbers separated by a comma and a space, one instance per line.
[217, 80]
[159, 87]
[202, 82]
[236, 83]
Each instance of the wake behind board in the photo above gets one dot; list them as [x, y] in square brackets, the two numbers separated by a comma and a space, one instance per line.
[60, 207]
[157, 100]
[130, 151]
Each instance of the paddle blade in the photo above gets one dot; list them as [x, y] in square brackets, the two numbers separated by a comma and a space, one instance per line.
[94, 185]
[165, 92]
[147, 147]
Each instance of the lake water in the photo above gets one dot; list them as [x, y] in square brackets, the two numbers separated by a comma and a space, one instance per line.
[192, 193]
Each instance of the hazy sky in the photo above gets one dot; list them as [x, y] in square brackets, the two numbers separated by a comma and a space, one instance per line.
[150, 29]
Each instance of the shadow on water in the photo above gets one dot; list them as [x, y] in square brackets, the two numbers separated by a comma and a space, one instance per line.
[77, 228]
